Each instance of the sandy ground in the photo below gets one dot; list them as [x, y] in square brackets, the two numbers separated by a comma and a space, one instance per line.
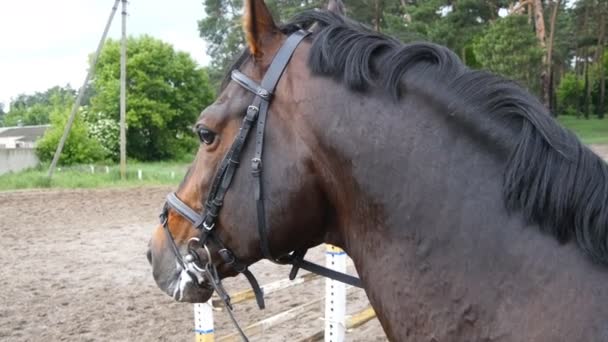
[73, 268]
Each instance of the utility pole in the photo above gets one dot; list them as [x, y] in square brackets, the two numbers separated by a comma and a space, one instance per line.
[123, 93]
[81, 92]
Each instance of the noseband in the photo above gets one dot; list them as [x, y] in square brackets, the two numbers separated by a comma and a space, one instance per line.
[205, 222]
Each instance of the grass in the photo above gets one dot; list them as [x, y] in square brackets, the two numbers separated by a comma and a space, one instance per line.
[590, 131]
[159, 173]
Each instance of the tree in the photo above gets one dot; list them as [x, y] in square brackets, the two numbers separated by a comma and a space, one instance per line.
[221, 30]
[454, 24]
[495, 50]
[2, 114]
[549, 58]
[221, 27]
[166, 91]
[603, 8]
[539, 25]
[34, 109]
[583, 12]
[567, 36]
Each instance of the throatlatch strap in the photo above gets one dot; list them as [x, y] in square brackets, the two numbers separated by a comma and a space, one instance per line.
[328, 273]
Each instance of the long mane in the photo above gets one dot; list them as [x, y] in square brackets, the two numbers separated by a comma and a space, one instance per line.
[550, 176]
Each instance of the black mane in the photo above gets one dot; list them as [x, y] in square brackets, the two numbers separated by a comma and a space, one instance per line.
[550, 177]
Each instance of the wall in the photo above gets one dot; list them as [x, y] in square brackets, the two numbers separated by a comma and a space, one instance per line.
[17, 159]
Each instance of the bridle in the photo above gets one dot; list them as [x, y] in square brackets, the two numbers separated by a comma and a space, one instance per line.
[205, 222]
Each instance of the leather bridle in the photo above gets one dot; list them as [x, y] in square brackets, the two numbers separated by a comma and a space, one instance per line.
[256, 114]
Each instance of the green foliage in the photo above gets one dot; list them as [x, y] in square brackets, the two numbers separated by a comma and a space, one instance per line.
[507, 49]
[221, 30]
[37, 114]
[2, 114]
[454, 24]
[35, 109]
[569, 93]
[166, 91]
[79, 147]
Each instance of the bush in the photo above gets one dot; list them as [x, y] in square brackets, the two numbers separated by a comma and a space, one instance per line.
[569, 94]
[106, 131]
[79, 147]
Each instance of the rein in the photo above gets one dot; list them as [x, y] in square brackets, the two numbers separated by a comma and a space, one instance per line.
[205, 222]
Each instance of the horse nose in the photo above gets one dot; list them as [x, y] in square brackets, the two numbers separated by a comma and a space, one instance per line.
[149, 256]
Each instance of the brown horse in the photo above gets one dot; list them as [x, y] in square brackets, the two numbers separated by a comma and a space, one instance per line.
[469, 213]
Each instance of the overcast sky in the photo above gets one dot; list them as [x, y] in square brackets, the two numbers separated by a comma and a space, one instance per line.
[44, 43]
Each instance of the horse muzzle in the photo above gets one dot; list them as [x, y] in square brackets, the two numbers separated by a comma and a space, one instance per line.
[181, 277]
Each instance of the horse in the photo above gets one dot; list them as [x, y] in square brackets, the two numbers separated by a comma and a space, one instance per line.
[470, 214]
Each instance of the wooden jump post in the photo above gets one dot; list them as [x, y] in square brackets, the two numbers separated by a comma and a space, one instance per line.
[336, 322]
[81, 92]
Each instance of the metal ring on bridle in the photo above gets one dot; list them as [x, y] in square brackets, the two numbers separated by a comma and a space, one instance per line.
[203, 246]
[190, 258]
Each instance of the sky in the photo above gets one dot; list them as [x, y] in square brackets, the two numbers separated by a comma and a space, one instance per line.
[44, 43]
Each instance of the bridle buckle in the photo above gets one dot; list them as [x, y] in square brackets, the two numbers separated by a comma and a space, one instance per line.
[263, 93]
[208, 227]
[252, 113]
[256, 165]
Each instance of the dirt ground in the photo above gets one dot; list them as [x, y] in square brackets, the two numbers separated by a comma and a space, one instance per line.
[73, 268]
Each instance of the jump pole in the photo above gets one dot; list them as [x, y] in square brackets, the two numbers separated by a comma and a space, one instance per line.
[261, 326]
[352, 322]
[335, 296]
[203, 322]
[203, 312]
[267, 289]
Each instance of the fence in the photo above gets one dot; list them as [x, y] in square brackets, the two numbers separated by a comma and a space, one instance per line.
[17, 159]
[137, 171]
[336, 322]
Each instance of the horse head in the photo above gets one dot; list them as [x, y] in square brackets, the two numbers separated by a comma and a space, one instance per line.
[294, 200]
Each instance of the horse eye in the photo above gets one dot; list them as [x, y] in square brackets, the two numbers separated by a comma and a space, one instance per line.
[206, 136]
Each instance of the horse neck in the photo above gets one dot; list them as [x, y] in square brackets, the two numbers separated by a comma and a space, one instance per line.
[382, 161]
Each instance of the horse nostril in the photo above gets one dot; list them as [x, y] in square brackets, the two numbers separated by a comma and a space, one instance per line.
[149, 256]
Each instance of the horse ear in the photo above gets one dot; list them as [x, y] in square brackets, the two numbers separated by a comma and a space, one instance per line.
[258, 25]
[336, 6]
